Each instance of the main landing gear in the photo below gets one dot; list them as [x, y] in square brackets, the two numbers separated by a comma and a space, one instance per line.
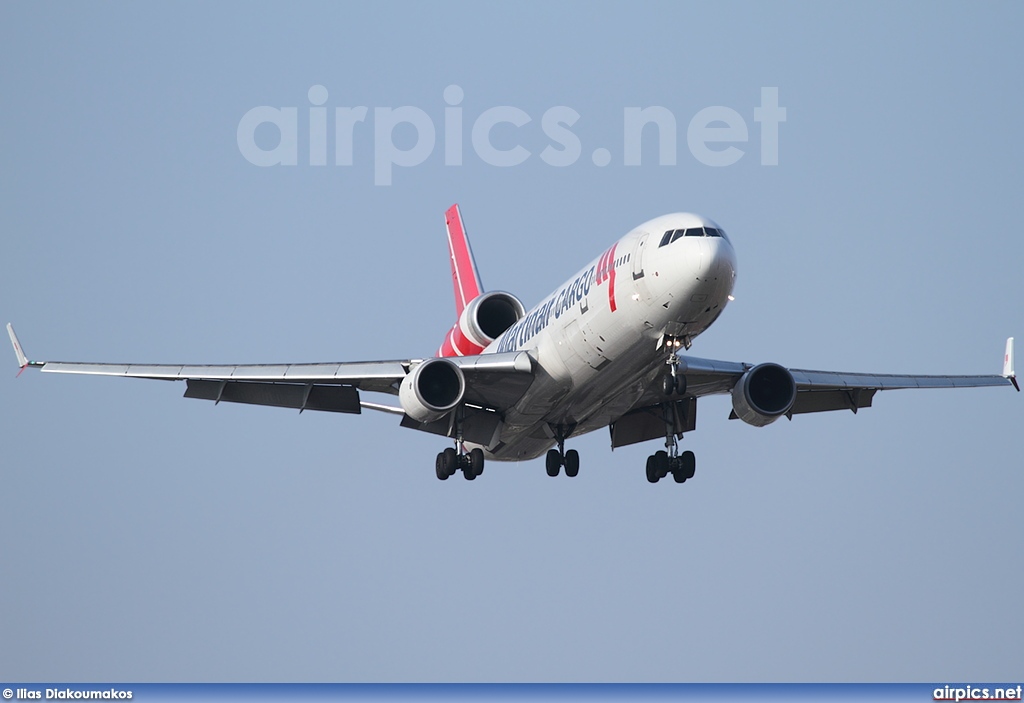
[662, 463]
[456, 458]
[449, 461]
[557, 458]
[669, 460]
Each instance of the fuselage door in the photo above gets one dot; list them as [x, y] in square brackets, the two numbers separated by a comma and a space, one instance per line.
[639, 277]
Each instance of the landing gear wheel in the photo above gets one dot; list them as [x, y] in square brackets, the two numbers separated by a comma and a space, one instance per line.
[451, 460]
[469, 472]
[681, 384]
[677, 472]
[688, 464]
[554, 462]
[652, 475]
[572, 463]
[661, 463]
[440, 468]
[476, 460]
[673, 384]
[683, 467]
[668, 384]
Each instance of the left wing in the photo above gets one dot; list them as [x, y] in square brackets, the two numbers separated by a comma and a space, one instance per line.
[819, 391]
[706, 377]
[494, 381]
[816, 391]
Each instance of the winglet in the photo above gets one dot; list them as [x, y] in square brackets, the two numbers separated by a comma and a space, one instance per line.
[1008, 364]
[464, 272]
[18, 351]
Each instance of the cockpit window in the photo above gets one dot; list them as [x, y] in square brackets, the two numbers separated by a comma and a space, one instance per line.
[674, 234]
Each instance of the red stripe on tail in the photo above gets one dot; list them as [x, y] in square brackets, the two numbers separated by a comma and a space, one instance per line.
[457, 344]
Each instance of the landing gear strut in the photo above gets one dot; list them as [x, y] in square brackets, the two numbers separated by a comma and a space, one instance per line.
[673, 382]
[557, 458]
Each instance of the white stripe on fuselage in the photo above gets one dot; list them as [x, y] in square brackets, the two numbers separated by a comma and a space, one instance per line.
[593, 362]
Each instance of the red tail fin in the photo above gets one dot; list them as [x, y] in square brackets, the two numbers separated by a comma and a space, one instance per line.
[482, 317]
[464, 273]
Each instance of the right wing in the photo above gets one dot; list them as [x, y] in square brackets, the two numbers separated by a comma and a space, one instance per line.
[493, 382]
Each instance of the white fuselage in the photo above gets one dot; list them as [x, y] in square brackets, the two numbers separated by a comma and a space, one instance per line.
[595, 340]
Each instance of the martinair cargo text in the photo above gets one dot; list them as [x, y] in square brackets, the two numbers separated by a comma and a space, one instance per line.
[605, 349]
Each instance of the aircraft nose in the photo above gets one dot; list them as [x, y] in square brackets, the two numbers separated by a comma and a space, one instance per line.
[719, 260]
[723, 257]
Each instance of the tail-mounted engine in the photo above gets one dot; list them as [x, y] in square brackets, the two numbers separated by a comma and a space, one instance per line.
[485, 318]
[432, 389]
[763, 394]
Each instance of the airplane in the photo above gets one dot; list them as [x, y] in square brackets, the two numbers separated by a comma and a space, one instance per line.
[604, 349]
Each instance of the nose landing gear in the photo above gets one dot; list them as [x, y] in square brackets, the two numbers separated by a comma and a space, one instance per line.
[673, 382]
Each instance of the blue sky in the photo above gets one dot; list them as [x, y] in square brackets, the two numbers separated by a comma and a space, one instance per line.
[147, 537]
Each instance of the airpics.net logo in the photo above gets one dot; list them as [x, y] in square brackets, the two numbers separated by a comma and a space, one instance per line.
[715, 136]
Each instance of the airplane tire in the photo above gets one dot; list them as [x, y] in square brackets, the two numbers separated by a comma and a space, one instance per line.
[668, 384]
[681, 385]
[476, 460]
[652, 474]
[661, 463]
[440, 468]
[468, 473]
[572, 463]
[451, 461]
[553, 462]
[688, 462]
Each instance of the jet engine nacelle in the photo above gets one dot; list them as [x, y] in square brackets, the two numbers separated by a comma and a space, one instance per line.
[485, 318]
[763, 394]
[432, 389]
